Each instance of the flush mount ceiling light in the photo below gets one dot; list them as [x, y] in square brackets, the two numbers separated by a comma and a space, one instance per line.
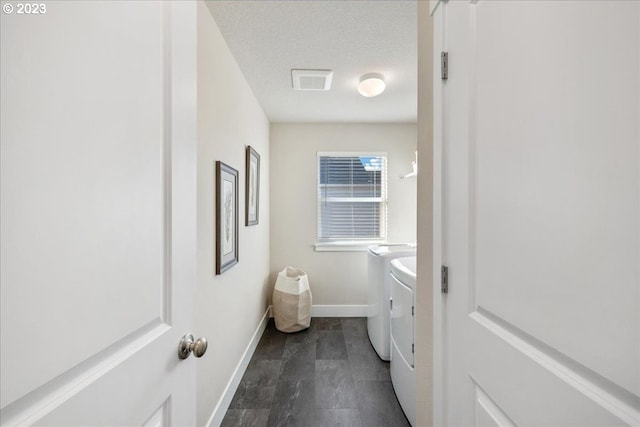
[371, 85]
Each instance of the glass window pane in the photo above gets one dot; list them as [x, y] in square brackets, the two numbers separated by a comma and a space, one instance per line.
[351, 191]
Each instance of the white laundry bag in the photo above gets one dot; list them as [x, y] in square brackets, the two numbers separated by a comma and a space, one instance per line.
[292, 300]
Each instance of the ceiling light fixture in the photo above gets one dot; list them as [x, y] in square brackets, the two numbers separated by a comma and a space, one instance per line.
[371, 85]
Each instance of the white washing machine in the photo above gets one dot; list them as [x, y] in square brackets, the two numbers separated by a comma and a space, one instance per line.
[379, 261]
[403, 301]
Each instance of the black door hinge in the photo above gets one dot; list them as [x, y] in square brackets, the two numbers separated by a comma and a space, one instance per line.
[444, 65]
[444, 279]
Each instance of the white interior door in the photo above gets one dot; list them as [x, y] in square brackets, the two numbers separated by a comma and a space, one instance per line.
[98, 212]
[537, 136]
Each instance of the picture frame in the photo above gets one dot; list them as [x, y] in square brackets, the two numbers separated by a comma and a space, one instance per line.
[252, 184]
[226, 217]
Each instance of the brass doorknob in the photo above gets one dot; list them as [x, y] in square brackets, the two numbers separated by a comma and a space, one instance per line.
[188, 345]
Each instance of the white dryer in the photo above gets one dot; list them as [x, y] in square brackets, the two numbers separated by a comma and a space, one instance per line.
[403, 301]
[379, 261]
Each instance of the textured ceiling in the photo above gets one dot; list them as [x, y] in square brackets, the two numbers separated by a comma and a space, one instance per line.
[352, 38]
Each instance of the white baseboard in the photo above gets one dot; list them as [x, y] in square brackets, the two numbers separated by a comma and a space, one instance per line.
[339, 311]
[335, 311]
[223, 404]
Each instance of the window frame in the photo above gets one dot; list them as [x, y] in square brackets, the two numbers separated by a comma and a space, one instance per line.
[348, 245]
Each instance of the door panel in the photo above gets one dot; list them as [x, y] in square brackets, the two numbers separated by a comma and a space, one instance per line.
[488, 414]
[554, 236]
[541, 212]
[98, 167]
[83, 222]
[533, 384]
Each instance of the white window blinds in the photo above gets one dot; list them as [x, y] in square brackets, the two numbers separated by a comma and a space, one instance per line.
[352, 197]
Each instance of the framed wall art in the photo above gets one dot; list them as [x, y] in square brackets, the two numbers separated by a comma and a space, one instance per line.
[252, 193]
[226, 217]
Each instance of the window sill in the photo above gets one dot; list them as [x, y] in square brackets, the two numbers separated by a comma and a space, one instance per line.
[346, 246]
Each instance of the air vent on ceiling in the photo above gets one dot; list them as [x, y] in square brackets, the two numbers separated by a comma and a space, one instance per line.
[311, 79]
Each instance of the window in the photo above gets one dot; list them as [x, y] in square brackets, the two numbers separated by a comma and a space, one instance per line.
[352, 198]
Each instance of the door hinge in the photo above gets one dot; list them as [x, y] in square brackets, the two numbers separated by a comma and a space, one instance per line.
[413, 312]
[390, 303]
[413, 348]
[444, 65]
[444, 279]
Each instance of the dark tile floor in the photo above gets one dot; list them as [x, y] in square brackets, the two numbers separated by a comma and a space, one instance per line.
[327, 375]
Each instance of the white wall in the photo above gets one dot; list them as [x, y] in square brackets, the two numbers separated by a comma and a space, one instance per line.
[336, 278]
[230, 306]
